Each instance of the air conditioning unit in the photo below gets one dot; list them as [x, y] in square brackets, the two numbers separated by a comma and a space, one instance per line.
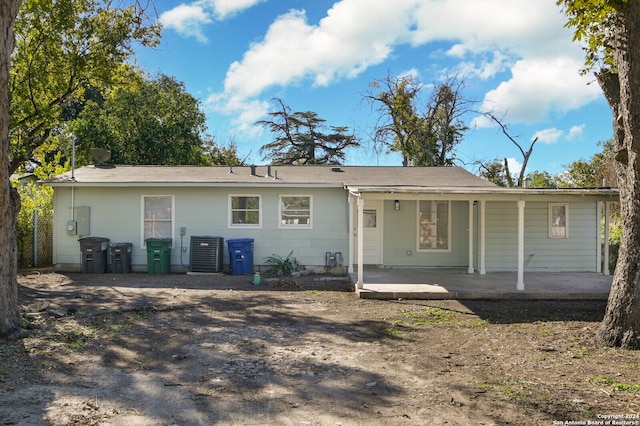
[206, 254]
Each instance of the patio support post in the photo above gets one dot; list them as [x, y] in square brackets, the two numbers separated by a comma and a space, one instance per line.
[607, 213]
[599, 237]
[470, 269]
[360, 282]
[350, 233]
[520, 283]
[482, 206]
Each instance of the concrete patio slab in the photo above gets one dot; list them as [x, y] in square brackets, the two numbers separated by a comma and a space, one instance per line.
[425, 283]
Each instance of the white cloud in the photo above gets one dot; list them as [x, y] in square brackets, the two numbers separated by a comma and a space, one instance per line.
[539, 87]
[187, 20]
[548, 136]
[227, 8]
[527, 39]
[514, 166]
[575, 132]
[191, 19]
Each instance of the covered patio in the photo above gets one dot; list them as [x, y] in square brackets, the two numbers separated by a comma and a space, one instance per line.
[457, 283]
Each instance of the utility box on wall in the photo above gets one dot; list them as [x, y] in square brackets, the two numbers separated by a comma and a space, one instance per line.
[83, 220]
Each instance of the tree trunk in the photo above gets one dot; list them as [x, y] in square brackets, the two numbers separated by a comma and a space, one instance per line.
[9, 200]
[621, 323]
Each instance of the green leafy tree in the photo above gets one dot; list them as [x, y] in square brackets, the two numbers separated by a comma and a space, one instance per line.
[399, 126]
[442, 125]
[63, 48]
[149, 121]
[497, 172]
[426, 138]
[593, 173]
[610, 32]
[542, 179]
[300, 138]
[36, 197]
[223, 155]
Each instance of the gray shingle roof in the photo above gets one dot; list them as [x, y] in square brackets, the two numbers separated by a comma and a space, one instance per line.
[359, 176]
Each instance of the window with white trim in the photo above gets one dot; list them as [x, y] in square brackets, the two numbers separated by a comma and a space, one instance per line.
[245, 210]
[295, 211]
[558, 220]
[157, 216]
[434, 230]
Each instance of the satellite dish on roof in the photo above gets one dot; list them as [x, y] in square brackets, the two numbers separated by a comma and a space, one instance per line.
[100, 155]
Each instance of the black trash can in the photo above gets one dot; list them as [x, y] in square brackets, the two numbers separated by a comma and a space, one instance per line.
[158, 255]
[241, 256]
[94, 254]
[120, 257]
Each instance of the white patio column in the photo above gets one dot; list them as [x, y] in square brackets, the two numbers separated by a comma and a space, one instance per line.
[350, 234]
[470, 268]
[520, 283]
[481, 262]
[598, 237]
[360, 282]
[607, 213]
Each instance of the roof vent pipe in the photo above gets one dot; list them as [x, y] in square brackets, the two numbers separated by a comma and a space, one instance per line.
[230, 170]
[253, 170]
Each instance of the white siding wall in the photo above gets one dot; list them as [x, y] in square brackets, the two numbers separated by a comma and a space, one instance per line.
[401, 237]
[116, 214]
[575, 253]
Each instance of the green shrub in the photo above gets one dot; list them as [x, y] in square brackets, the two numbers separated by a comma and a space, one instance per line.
[282, 266]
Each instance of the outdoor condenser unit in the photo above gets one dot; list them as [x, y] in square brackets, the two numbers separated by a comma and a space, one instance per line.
[206, 254]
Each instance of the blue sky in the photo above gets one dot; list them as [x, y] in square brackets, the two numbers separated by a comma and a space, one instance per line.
[516, 58]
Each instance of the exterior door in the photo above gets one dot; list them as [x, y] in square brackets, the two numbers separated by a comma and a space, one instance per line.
[372, 236]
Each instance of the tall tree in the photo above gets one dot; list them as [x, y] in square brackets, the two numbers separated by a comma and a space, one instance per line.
[538, 179]
[442, 125]
[149, 121]
[424, 136]
[9, 199]
[595, 172]
[525, 154]
[610, 32]
[63, 49]
[62, 46]
[399, 127]
[497, 172]
[299, 138]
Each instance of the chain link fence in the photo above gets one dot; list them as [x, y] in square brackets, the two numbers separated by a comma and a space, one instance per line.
[35, 242]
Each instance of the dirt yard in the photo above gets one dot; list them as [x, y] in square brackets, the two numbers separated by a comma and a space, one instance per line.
[139, 349]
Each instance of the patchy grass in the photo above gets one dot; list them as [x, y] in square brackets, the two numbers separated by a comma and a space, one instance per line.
[615, 385]
[113, 324]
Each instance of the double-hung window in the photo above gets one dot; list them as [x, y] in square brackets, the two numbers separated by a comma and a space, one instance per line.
[157, 214]
[295, 211]
[558, 220]
[245, 211]
[434, 230]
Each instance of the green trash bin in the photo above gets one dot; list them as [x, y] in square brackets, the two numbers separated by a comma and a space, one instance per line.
[158, 255]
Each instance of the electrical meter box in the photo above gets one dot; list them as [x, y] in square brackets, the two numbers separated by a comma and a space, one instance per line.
[81, 225]
[72, 227]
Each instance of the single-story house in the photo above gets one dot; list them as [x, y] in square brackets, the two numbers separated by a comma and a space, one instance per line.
[332, 216]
